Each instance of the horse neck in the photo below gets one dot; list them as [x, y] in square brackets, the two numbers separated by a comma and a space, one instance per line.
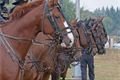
[83, 37]
[26, 27]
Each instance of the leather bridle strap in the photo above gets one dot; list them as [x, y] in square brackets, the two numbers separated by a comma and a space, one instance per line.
[37, 64]
[52, 19]
[14, 37]
[12, 53]
[15, 57]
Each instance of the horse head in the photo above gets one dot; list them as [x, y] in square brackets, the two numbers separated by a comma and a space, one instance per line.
[52, 20]
[56, 17]
[99, 34]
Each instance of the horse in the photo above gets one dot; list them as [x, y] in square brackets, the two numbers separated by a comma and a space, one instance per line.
[16, 42]
[44, 64]
[67, 57]
[95, 32]
[98, 32]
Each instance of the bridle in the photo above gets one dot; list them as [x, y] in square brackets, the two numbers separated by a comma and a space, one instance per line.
[55, 26]
[93, 26]
[40, 67]
[52, 19]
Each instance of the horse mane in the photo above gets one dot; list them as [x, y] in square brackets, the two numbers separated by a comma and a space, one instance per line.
[23, 9]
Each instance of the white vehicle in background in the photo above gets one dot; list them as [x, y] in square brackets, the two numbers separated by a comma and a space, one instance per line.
[116, 45]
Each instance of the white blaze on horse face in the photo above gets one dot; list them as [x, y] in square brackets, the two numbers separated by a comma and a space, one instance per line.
[70, 34]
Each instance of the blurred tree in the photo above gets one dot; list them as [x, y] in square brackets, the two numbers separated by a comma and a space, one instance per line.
[85, 14]
[68, 8]
[108, 23]
[112, 19]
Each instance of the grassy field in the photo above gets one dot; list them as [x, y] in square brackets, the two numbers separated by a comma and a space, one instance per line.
[107, 67]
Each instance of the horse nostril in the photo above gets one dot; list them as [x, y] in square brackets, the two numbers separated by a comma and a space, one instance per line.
[101, 51]
[70, 41]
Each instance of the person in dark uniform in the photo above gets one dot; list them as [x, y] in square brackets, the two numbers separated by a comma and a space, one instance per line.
[1, 19]
[87, 60]
[18, 2]
[3, 2]
[3, 10]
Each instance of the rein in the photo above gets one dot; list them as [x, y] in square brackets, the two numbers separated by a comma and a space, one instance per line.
[15, 57]
[14, 37]
[93, 35]
[52, 19]
[10, 50]
[93, 27]
[40, 67]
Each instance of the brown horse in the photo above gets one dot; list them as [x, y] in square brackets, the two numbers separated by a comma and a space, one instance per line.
[40, 58]
[15, 42]
[43, 63]
[41, 51]
[99, 33]
[24, 8]
[95, 32]
[67, 57]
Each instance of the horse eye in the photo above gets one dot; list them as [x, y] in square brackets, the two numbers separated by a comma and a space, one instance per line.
[57, 17]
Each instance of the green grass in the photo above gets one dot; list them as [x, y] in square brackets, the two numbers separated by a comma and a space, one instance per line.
[107, 67]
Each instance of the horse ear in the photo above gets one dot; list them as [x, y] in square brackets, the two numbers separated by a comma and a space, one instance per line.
[73, 22]
[88, 20]
[100, 18]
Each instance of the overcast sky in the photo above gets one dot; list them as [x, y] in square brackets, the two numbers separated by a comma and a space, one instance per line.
[93, 4]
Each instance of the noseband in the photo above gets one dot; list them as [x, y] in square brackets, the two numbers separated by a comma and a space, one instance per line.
[52, 19]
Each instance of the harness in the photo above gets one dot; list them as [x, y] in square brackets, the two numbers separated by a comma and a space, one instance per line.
[91, 25]
[14, 54]
[40, 67]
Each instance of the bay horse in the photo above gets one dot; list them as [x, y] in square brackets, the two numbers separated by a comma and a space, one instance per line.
[99, 34]
[67, 57]
[15, 42]
[96, 32]
[42, 62]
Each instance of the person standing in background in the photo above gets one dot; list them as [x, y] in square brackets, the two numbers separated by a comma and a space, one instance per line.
[87, 60]
[3, 10]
